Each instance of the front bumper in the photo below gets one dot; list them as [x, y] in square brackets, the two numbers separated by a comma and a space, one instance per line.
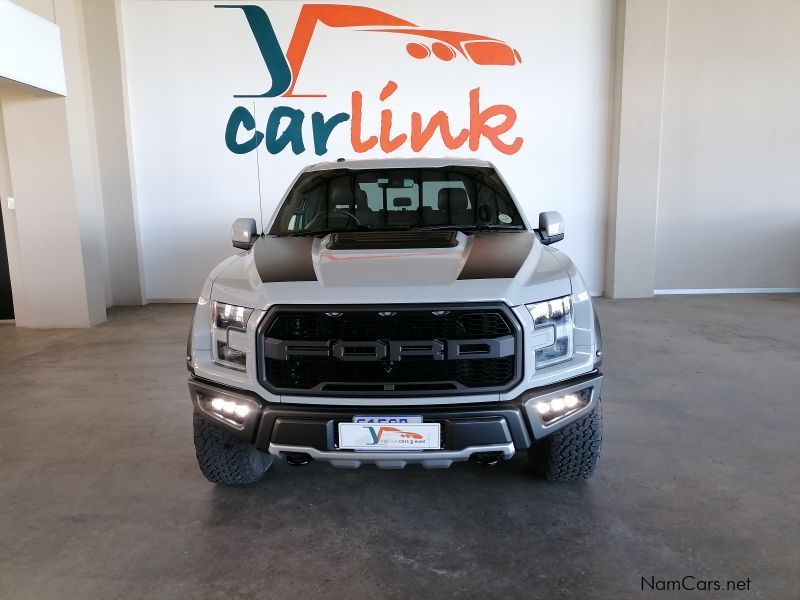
[496, 429]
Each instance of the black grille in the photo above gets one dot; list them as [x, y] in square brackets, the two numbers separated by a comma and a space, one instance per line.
[410, 375]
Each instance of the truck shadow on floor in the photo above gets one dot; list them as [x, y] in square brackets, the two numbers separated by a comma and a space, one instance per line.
[462, 493]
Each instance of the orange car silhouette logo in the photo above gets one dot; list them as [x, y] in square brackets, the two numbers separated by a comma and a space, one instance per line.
[377, 433]
[284, 68]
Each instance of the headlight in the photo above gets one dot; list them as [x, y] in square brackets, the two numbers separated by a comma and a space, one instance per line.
[225, 318]
[556, 314]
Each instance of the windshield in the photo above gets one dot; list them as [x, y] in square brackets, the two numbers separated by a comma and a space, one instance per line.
[385, 199]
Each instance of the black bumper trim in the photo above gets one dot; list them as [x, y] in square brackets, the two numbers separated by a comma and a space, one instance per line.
[319, 429]
[463, 425]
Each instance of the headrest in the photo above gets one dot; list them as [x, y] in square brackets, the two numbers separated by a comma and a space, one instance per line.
[402, 201]
[339, 192]
[361, 199]
[453, 199]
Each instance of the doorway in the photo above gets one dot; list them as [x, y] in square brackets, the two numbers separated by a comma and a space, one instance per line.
[6, 303]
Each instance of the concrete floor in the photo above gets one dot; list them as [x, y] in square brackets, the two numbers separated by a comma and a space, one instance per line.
[100, 496]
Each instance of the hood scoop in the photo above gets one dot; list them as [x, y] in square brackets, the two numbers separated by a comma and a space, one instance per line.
[396, 258]
[394, 240]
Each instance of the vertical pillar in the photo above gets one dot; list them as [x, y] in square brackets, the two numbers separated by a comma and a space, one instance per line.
[103, 29]
[640, 55]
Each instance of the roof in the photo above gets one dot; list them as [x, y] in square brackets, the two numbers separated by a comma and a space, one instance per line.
[399, 163]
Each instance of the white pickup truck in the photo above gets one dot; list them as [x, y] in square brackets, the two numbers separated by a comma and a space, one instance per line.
[396, 311]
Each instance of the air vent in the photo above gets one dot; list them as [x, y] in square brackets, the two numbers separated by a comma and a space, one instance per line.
[392, 240]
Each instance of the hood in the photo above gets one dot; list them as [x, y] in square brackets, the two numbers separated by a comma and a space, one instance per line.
[391, 258]
[394, 267]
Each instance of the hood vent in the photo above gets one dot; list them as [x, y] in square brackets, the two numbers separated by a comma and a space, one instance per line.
[392, 240]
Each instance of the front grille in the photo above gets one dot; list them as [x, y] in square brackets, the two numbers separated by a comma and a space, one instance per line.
[306, 338]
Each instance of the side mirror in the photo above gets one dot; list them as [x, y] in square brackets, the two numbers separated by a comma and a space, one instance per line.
[244, 233]
[551, 227]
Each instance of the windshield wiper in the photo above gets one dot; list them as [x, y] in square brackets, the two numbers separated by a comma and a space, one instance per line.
[409, 227]
[316, 232]
[471, 227]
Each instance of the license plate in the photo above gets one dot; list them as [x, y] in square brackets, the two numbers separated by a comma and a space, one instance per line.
[380, 436]
[387, 419]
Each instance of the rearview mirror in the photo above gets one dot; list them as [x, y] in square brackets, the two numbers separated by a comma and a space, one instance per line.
[551, 227]
[244, 233]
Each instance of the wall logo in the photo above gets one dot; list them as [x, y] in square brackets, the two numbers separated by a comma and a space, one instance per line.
[284, 70]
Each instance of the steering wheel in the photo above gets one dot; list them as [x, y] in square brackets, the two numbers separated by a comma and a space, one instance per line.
[332, 212]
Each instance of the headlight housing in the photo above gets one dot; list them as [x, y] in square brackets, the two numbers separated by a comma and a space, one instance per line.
[224, 319]
[557, 315]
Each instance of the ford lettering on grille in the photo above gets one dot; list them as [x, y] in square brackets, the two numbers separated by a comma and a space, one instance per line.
[394, 350]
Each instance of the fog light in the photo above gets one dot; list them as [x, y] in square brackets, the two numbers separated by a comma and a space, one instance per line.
[557, 408]
[229, 408]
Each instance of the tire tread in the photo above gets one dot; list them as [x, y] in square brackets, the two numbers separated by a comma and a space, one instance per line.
[226, 459]
[571, 453]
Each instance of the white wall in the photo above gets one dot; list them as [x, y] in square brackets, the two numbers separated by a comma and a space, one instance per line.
[56, 236]
[704, 153]
[729, 197]
[186, 60]
[54, 288]
[30, 49]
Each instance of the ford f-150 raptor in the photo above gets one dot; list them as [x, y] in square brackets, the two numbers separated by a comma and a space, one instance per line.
[396, 311]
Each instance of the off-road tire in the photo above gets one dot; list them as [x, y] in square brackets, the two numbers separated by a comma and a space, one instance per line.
[225, 458]
[571, 453]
